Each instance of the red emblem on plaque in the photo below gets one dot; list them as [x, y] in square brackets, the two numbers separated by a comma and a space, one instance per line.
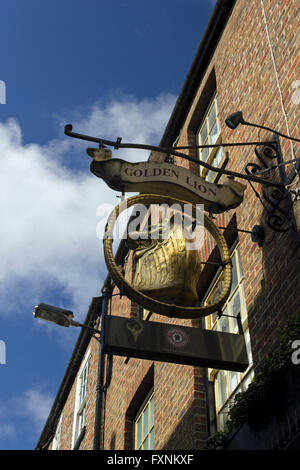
[177, 337]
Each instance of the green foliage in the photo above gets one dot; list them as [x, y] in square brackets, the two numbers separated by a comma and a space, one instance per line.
[261, 401]
[217, 441]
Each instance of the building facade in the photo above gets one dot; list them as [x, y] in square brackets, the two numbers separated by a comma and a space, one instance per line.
[248, 60]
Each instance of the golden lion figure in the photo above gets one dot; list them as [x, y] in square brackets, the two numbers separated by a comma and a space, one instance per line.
[166, 269]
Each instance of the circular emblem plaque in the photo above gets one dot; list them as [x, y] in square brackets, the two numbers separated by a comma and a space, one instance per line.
[177, 338]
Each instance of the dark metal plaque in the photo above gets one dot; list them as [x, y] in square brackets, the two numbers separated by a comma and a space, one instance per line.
[171, 343]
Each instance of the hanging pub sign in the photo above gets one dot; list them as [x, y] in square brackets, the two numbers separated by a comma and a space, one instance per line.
[165, 179]
[171, 343]
[167, 272]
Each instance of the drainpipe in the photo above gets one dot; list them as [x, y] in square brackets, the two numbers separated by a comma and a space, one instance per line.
[100, 396]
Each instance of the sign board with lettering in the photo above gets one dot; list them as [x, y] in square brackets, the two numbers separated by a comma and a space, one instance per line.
[167, 179]
[171, 343]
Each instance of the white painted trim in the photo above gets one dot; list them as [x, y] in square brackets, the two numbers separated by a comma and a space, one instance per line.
[56, 442]
[76, 404]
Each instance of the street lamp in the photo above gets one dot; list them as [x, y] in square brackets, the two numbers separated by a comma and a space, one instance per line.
[59, 316]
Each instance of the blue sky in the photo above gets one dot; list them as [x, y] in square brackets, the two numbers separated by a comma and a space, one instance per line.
[111, 69]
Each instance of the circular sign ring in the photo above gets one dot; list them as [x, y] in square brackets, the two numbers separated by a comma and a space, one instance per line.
[163, 308]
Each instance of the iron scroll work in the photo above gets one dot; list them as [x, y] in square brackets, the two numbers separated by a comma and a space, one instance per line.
[275, 200]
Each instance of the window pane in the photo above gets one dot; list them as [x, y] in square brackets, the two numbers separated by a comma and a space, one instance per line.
[235, 304]
[204, 154]
[80, 421]
[214, 317]
[217, 291]
[83, 384]
[146, 420]
[212, 116]
[222, 388]
[224, 322]
[218, 120]
[152, 412]
[203, 134]
[209, 132]
[223, 417]
[234, 379]
[248, 346]
[240, 263]
[214, 133]
[138, 432]
[218, 157]
[151, 440]
[210, 176]
[235, 307]
[144, 426]
[146, 444]
[234, 274]
[244, 312]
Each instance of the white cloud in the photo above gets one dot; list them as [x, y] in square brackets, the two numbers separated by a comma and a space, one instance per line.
[139, 121]
[7, 430]
[34, 405]
[29, 410]
[48, 208]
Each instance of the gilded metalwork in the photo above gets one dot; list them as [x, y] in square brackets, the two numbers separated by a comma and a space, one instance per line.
[150, 303]
[165, 269]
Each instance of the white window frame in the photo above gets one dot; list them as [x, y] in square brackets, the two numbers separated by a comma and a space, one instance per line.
[212, 322]
[81, 401]
[57, 436]
[209, 155]
[151, 425]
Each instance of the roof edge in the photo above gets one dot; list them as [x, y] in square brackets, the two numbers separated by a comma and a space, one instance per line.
[206, 49]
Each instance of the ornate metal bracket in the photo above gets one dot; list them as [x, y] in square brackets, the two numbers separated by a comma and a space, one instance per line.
[276, 200]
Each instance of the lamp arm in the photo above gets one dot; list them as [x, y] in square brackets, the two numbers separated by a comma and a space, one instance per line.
[92, 330]
[245, 123]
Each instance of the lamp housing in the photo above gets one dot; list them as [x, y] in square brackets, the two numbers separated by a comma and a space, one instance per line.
[59, 316]
[234, 119]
